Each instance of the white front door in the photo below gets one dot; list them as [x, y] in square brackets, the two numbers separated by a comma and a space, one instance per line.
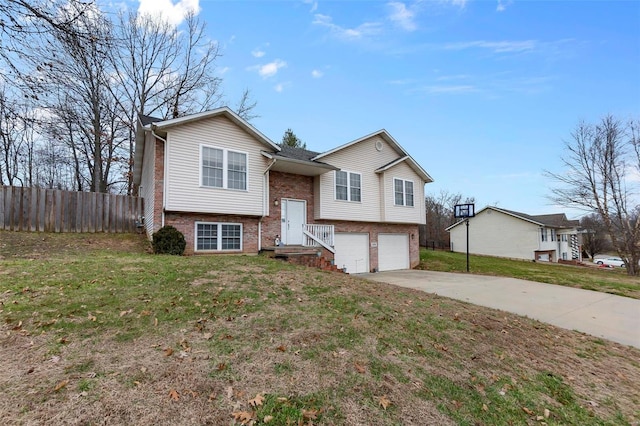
[293, 218]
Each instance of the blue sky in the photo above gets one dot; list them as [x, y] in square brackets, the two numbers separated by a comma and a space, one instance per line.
[481, 93]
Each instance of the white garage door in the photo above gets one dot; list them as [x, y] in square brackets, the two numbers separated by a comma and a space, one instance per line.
[352, 252]
[393, 252]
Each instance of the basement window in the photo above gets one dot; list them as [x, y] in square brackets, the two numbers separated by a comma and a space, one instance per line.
[218, 236]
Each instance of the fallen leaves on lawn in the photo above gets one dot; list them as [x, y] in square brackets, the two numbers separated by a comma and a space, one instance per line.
[173, 394]
[257, 401]
[61, 385]
[359, 368]
[528, 411]
[282, 348]
[244, 417]
[384, 402]
[310, 414]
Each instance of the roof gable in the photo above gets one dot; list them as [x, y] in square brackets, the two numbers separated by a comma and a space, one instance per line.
[403, 155]
[556, 220]
[164, 125]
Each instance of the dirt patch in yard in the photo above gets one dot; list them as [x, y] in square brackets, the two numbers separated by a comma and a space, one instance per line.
[39, 245]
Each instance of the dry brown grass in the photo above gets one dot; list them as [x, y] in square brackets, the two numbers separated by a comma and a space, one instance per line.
[334, 345]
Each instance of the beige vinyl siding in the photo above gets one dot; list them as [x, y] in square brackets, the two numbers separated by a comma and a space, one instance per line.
[360, 158]
[184, 189]
[497, 234]
[147, 179]
[403, 214]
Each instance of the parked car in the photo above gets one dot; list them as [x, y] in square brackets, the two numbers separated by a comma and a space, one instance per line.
[611, 262]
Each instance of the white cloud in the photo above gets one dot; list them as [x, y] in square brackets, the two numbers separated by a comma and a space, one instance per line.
[402, 16]
[313, 3]
[280, 87]
[316, 73]
[167, 10]
[495, 46]
[361, 31]
[502, 5]
[270, 69]
[257, 53]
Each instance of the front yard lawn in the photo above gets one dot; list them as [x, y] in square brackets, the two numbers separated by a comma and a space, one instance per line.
[95, 330]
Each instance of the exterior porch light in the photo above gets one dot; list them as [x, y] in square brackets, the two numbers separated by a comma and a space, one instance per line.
[276, 202]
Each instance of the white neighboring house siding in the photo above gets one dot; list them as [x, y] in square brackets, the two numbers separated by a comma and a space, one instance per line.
[184, 188]
[403, 214]
[147, 184]
[496, 234]
[361, 158]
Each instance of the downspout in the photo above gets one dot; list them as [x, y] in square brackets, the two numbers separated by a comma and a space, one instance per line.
[265, 201]
[164, 172]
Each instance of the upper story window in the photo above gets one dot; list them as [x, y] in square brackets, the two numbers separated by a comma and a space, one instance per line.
[403, 192]
[543, 234]
[222, 168]
[553, 235]
[348, 186]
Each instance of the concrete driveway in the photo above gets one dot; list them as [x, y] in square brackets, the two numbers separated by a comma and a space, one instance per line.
[604, 315]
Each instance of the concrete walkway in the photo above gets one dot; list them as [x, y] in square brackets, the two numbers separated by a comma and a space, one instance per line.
[604, 315]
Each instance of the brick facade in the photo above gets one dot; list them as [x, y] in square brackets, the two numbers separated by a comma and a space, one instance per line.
[285, 185]
[186, 223]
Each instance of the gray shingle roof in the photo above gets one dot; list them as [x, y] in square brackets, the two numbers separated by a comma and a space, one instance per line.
[147, 119]
[556, 220]
[296, 153]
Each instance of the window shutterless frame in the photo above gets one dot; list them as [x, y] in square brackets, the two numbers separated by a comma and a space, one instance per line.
[223, 168]
[347, 186]
[403, 192]
[218, 236]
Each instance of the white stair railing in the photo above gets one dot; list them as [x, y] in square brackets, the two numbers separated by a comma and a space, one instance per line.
[318, 235]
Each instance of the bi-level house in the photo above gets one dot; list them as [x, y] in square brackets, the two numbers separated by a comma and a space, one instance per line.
[506, 233]
[229, 189]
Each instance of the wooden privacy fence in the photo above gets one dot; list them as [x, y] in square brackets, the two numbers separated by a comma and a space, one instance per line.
[51, 210]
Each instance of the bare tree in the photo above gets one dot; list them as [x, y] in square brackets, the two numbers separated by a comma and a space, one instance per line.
[246, 106]
[600, 161]
[193, 85]
[439, 209]
[22, 20]
[594, 237]
[93, 77]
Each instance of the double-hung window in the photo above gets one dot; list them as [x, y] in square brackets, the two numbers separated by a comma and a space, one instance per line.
[218, 236]
[403, 192]
[348, 186]
[222, 168]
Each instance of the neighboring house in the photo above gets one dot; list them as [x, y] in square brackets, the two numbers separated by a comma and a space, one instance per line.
[504, 233]
[229, 189]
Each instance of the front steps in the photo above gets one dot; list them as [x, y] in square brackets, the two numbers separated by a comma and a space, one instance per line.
[300, 255]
